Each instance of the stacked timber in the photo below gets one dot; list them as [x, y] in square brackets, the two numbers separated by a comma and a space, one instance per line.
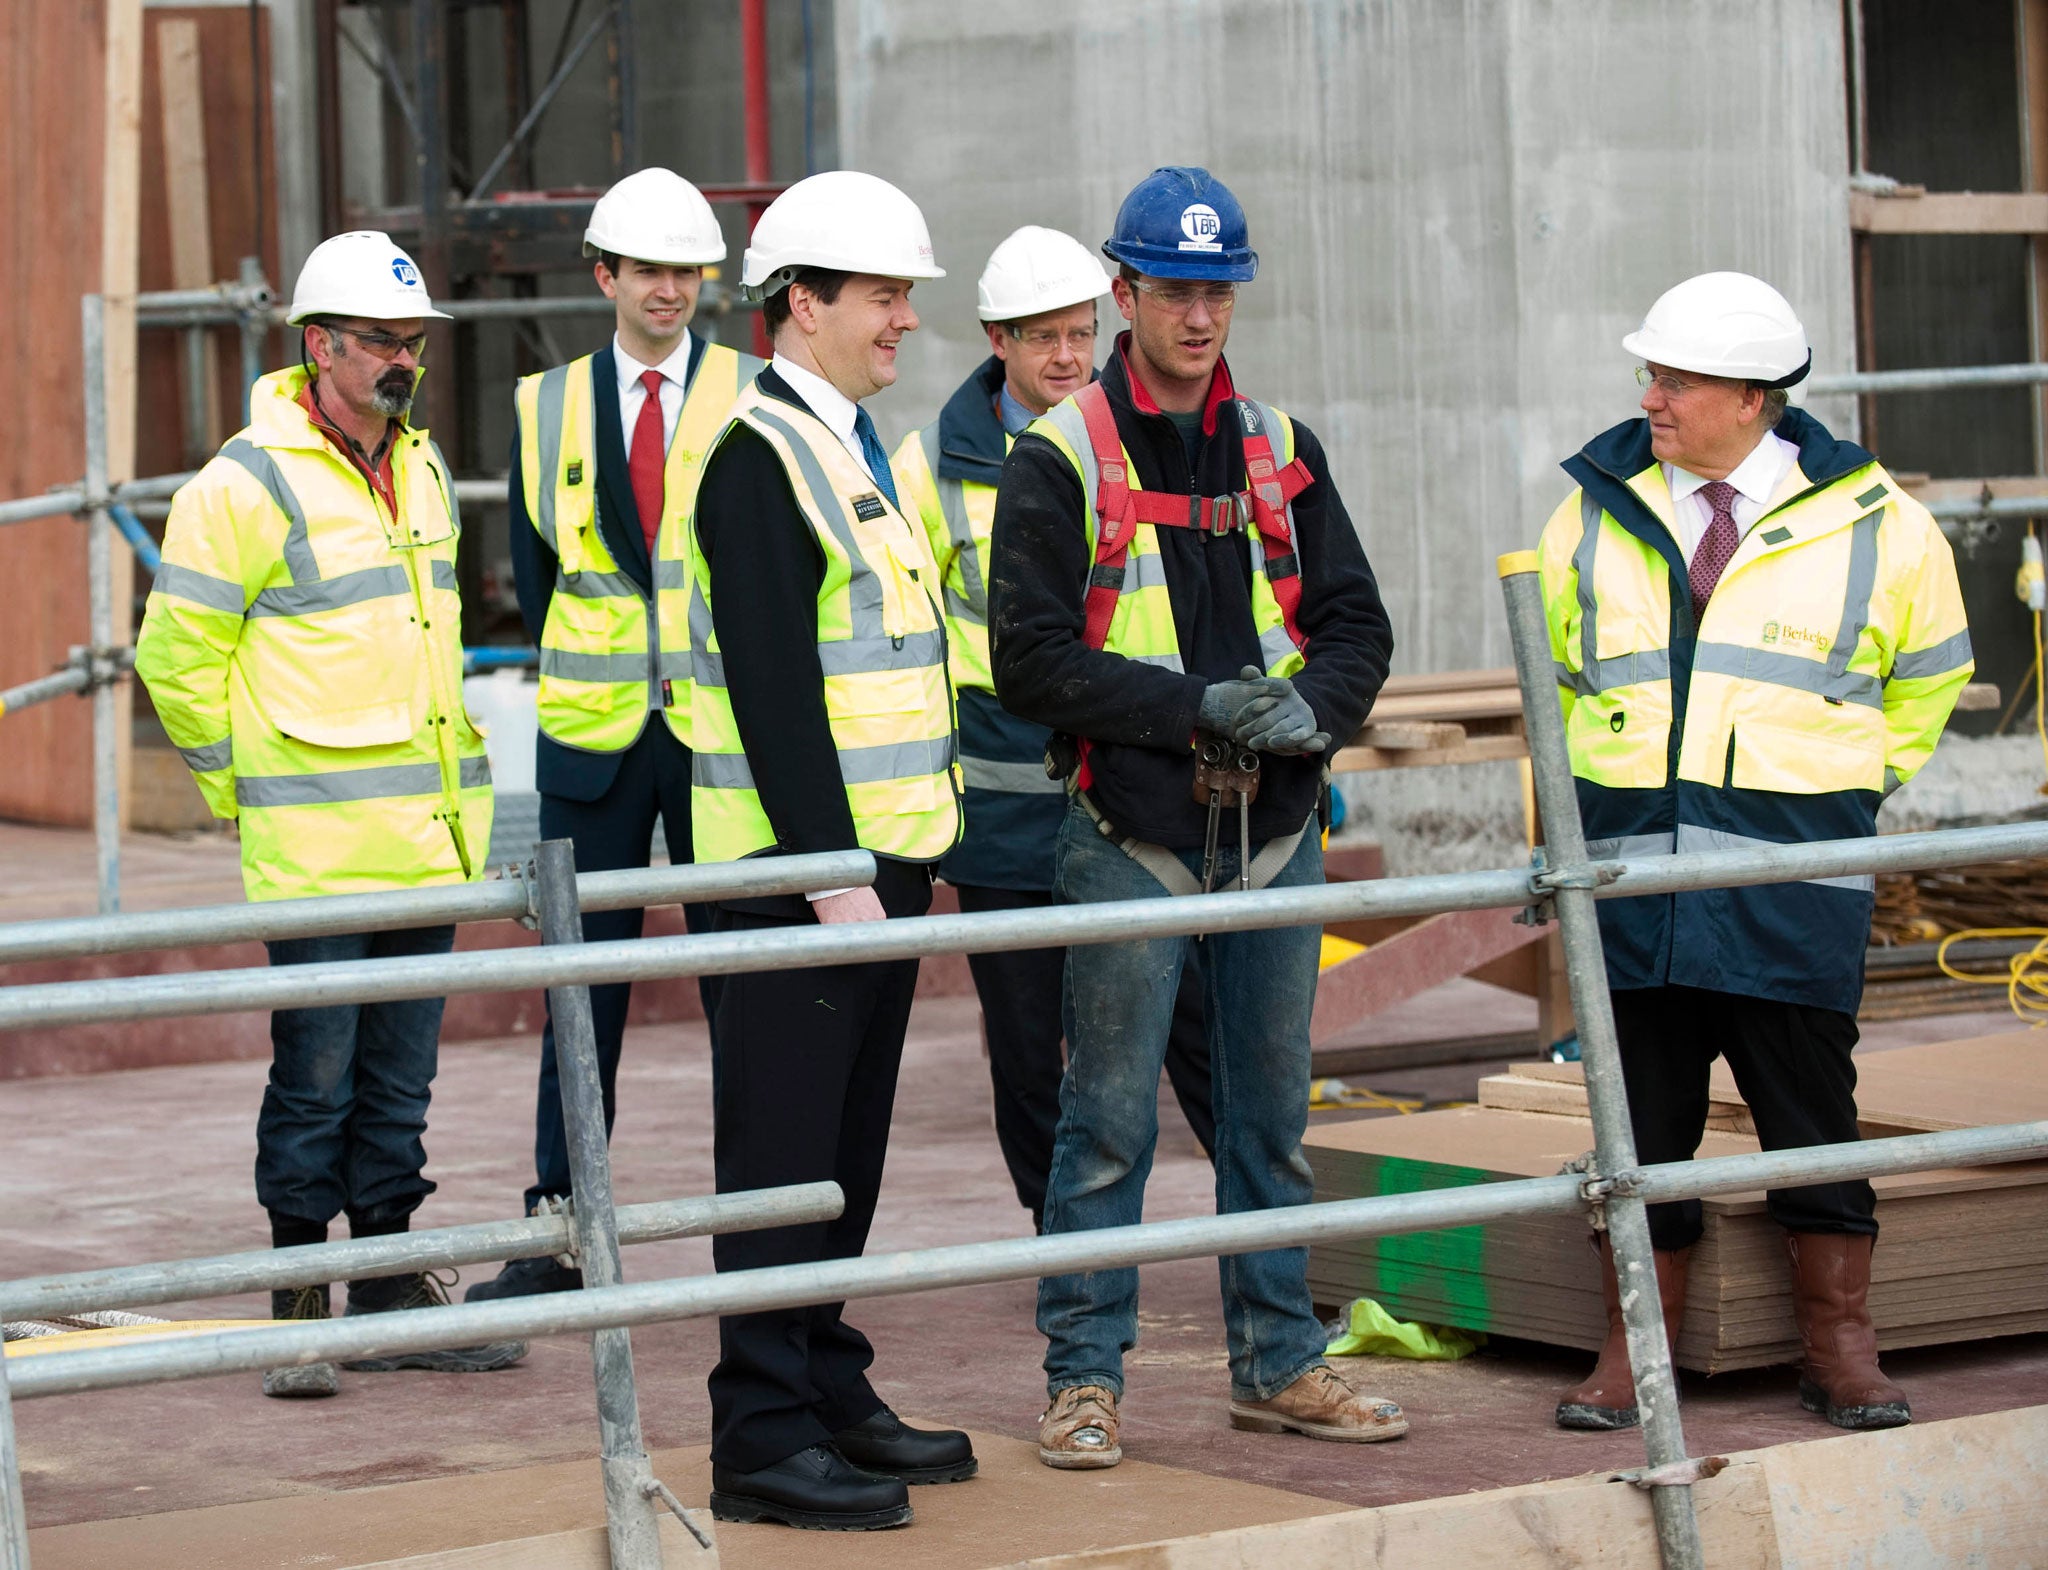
[1445, 717]
[1963, 1253]
[1921, 907]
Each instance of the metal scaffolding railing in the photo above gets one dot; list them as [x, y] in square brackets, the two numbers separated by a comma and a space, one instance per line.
[1564, 883]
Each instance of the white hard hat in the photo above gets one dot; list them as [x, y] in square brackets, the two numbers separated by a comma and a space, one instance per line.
[1039, 270]
[1725, 324]
[655, 215]
[361, 273]
[844, 220]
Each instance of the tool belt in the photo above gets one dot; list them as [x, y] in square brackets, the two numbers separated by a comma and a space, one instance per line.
[1171, 872]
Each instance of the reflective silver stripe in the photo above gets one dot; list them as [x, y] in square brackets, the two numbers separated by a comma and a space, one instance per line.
[563, 665]
[864, 589]
[972, 598]
[329, 594]
[1937, 660]
[671, 573]
[443, 576]
[706, 668]
[1856, 591]
[1566, 676]
[298, 547]
[444, 474]
[721, 770]
[554, 390]
[596, 586]
[1629, 846]
[896, 760]
[214, 755]
[1166, 662]
[850, 656]
[1276, 646]
[1694, 837]
[1584, 554]
[1788, 670]
[1014, 779]
[216, 594]
[1067, 419]
[344, 785]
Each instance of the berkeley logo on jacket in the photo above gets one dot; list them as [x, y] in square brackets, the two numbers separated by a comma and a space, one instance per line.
[947, 474]
[303, 648]
[611, 652]
[1819, 677]
[882, 646]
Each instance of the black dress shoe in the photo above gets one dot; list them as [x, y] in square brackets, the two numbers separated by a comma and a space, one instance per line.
[527, 1278]
[816, 1488]
[890, 1446]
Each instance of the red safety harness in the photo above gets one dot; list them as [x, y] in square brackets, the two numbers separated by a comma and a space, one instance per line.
[1121, 509]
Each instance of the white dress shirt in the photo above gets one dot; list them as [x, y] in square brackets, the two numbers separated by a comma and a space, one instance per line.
[675, 372]
[1756, 480]
[828, 403]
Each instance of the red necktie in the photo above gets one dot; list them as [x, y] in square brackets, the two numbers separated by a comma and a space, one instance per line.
[1716, 546]
[648, 459]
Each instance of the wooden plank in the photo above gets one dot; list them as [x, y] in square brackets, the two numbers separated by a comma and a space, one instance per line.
[1474, 749]
[1447, 681]
[120, 260]
[187, 199]
[1950, 212]
[1425, 955]
[1412, 735]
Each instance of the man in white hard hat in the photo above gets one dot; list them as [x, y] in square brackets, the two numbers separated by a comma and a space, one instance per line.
[1178, 591]
[1039, 298]
[606, 455]
[1758, 636]
[303, 649]
[821, 720]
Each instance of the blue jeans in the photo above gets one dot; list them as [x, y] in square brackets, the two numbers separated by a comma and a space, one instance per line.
[1259, 989]
[346, 1108]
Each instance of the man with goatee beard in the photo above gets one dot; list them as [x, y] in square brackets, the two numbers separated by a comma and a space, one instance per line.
[303, 648]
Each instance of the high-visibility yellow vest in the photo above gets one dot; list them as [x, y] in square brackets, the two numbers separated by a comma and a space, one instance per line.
[1143, 627]
[1828, 657]
[959, 516]
[610, 654]
[881, 642]
[303, 648]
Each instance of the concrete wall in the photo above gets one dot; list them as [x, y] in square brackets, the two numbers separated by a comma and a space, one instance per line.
[1460, 208]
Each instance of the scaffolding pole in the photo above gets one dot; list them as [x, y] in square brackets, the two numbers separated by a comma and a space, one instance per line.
[106, 782]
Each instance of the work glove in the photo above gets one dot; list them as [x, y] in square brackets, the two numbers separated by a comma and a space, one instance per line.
[1261, 712]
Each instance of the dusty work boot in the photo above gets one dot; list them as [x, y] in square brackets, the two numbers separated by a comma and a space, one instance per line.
[1830, 1299]
[1607, 1398]
[1321, 1405]
[304, 1379]
[1078, 1432]
[389, 1294]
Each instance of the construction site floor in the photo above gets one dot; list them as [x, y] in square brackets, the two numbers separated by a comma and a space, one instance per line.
[155, 1164]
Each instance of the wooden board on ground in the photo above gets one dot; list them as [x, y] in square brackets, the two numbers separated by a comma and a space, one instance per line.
[1972, 1491]
[1535, 1277]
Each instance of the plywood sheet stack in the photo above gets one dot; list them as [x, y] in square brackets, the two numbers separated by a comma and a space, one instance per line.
[1963, 1253]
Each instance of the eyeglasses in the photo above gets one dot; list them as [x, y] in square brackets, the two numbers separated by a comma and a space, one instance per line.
[1669, 386]
[1044, 340]
[385, 346]
[1177, 297]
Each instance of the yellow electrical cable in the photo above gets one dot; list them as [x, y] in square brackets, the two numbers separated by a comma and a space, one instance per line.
[2026, 977]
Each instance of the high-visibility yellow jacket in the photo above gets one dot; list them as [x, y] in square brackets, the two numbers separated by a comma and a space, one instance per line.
[1818, 678]
[303, 648]
[881, 642]
[958, 516]
[612, 652]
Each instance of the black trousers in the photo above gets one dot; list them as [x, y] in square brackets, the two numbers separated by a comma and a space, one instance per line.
[1792, 1065]
[1020, 1014]
[613, 832]
[803, 1084]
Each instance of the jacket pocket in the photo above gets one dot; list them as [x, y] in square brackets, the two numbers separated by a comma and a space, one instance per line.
[1622, 737]
[374, 725]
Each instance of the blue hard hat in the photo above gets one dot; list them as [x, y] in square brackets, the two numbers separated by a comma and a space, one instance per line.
[1180, 222]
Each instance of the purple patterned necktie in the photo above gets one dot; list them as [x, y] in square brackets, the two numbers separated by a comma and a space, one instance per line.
[1711, 555]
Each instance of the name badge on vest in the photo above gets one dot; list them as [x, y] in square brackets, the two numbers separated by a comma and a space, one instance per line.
[869, 507]
[575, 474]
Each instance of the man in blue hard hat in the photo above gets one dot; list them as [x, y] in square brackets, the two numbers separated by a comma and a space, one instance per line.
[1178, 593]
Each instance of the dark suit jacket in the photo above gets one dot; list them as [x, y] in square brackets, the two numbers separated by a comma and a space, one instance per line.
[559, 770]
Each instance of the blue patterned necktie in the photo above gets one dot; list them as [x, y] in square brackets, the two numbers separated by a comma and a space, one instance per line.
[878, 458]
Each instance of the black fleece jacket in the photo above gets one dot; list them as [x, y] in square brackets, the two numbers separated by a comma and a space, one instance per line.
[1140, 720]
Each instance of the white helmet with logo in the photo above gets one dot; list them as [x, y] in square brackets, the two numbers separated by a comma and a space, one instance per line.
[361, 273]
[1725, 324]
[655, 215]
[1039, 270]
[844, 220]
